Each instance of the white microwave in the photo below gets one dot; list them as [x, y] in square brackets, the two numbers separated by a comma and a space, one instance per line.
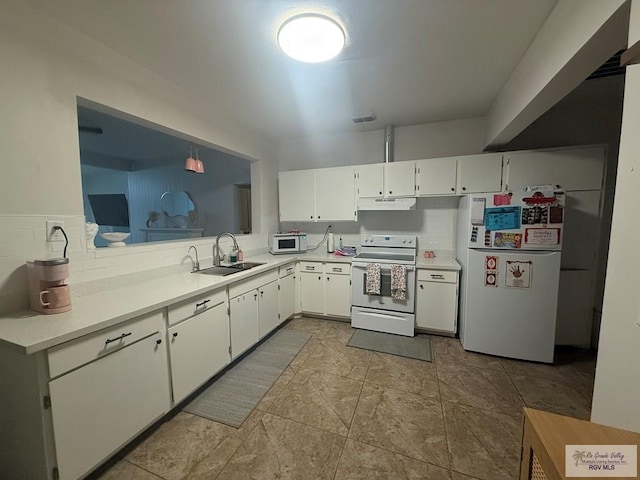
[280, 243]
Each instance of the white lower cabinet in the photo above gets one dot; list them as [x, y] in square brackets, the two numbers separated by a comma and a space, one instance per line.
[198, 349]
[98, 408]
[337, 290]
[325, 289]
[437, 301]
[268, 308]
[311, 292]
[287, 292]
[254, 311]
[244, 322]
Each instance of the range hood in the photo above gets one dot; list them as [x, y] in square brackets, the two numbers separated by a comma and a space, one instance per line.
[406, 203]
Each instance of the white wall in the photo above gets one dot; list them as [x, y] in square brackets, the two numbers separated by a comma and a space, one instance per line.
[440, 139]
[46, 66]
[616, 397]
[577, 37]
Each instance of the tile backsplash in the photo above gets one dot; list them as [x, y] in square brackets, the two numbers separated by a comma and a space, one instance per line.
[24, 239]
[433, 222]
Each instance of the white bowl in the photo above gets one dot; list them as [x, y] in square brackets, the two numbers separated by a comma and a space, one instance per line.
[115, 239]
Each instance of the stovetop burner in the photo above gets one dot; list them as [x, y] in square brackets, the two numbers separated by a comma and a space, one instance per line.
[399, 249]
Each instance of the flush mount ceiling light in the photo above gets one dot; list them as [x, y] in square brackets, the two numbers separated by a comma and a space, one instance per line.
[311, 37]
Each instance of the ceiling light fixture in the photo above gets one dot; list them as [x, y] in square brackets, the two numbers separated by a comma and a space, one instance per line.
[311, 37]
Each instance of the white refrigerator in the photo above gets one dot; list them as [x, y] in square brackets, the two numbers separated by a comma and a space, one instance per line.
[509, 246]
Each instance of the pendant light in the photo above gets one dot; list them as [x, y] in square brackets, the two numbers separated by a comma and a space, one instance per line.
[199, 164]
[191, 164]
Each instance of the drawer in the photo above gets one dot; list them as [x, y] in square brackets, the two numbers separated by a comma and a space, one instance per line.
[445, 276]
[337, 268]
[86, 349]
[189, 308]
[311, 267]
[252, 283]
[287, 270]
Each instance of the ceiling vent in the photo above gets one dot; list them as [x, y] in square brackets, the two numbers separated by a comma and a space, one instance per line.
[364, 119]
[609, 68]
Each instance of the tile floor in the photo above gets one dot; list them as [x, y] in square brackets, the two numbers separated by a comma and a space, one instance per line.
[342, 413]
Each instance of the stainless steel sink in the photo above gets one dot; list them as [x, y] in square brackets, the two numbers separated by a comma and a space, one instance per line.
[245, 265]
[229, 269]
[218, 271]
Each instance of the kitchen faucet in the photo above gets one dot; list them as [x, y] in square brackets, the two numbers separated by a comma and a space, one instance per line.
[216, 254]
[196, 265]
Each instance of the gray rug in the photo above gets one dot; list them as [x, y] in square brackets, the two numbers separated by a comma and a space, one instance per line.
[232, 397]
[411, 347]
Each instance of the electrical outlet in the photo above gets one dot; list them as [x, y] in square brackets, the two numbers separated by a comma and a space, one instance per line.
[54, 235]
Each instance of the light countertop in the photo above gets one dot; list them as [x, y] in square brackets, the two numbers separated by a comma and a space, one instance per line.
[29, 332]
[438, 263]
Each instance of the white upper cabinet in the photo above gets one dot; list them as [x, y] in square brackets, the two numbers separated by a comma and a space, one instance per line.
[370, 180]
[335, 194]
[323, 194]
[436, 176]
[388, 180]
[400, 179]
[572, 169]
[479, 173]
[296, 196]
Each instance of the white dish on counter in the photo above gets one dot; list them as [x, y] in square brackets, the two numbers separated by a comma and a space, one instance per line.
[115, 239]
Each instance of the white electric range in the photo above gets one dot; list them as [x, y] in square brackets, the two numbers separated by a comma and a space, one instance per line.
[382, 312]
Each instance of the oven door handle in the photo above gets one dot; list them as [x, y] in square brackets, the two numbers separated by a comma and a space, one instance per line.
[383, 266]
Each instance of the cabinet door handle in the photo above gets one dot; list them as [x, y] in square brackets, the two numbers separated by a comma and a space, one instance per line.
[327, 279]
[158, 342]
[421, 287]
[336, 269]
[438, 277]
[318, 217]
[390, 192]
[464, 188]
[255, 296]
[204, 302]
[453, 189]
[175, 334]
[311, 217]
[380, 193]
[319, 278]
[111, 340]
[261, 294]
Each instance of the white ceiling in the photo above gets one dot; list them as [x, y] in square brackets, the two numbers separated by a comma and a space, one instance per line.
[408, 61]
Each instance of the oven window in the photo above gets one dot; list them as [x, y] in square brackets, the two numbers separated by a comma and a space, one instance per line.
[286, 243]
[385, 284]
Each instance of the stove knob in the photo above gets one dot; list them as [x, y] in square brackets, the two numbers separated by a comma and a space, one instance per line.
[404, 240]
[410, 241]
